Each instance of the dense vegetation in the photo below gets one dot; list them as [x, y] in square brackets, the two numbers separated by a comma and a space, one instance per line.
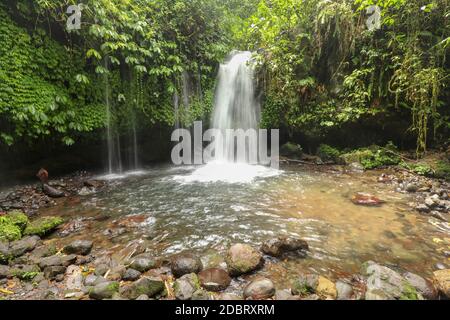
[323, 73]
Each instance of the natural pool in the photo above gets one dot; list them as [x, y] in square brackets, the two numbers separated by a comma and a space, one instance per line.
[172, 213]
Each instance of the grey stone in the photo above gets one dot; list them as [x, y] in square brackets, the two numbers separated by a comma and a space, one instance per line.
[185, 264]
[261, 288]
[80, 247]
[104, 290]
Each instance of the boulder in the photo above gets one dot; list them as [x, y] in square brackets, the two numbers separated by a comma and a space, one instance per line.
[185, 287]
[259, 289]
[422, 286]
[57, 260]
[441, 279]
[242, 258]
[143, 262]
[52, 272]
[79, 247]
[52, 192]
[214, 279]
[4, 271]
[147, 286]
[43, 226]
[104, 290]
[131, 275]
[326, 288]
[386, 284]
[20, 247]
[185, 264]
[344, 291]
[281, 245]
[283, 295]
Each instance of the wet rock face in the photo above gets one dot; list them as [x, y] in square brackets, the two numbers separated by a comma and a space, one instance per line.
[80, 247]
[365, 199]
[441, 279]
[242, 258]
[386, 284]
[261, 288]
[214, 279]
[282, 245]
[185, 287]
[185, 264]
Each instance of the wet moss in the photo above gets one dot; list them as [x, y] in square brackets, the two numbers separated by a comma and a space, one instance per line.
[43, 226]
[372, 157]
[8, 230]
[409, 292]
[19, 219]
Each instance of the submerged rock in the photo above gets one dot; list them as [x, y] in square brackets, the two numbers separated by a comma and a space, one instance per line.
[214, 279]
[242, 258]
[365, 199]
[281, 245]
[80, 247]
[259, 289]
[185, 263]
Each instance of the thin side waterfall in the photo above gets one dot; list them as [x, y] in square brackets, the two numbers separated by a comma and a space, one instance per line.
[236, 106]
[109, 133]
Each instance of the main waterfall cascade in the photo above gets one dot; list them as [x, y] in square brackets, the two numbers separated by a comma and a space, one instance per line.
[235, 107]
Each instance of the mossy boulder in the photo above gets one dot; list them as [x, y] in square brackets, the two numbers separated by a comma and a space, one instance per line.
[12, 226]
[291, 150]
[372, 157]
[147, 286]
[242, 258]
[104, 290]
[328, 153]
[43, 226]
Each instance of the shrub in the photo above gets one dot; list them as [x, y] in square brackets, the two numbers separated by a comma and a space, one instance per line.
[328, 153]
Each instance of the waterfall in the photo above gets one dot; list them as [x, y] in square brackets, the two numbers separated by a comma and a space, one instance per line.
[236, 106]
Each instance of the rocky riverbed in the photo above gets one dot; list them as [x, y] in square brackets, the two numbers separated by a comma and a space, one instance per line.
[46, 262]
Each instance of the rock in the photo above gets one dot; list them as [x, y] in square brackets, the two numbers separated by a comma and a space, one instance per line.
[43, 226]
[143, 297]
[93, 184]
[131, 275]
[91, 280]
[259, 289]
[283, 295]
[147, 286]
[386, 284]
[185, 286]
[411, 187]
[441, 280]
[242, 258]
[74, 278]
[101, 269]
[214, 279]
[432, 202]
[116, 273]
[73, 226]
[104, 290]
[344, 291]
[356, 167]
[439, 215]
[228, 297]
[422, 286]
[305, 284]
[42, 251]
[185, 264]
[57, 260]
[79, 247]
[365, 199]
[326, 288]
[312, 297]
[201, 294]
[85, 191]
[5, 256]
[143, 262]
[24, 272]
[74, 295]
[281, 245]
[18, 248]
[52, 192]
[4, 271]
[52, 271]
[423, 208]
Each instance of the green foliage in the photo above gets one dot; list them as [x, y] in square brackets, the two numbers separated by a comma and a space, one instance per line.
[328, 153]
[291, 150]
[18, 218]
[443, 169]
[372, 157]
[42, 226]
